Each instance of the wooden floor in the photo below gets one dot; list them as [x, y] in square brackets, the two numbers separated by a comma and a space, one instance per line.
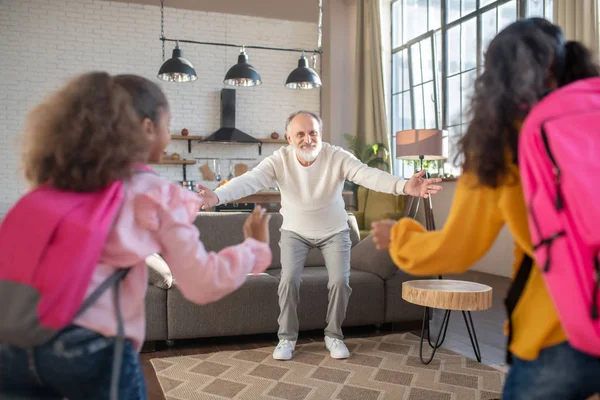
[488, 325]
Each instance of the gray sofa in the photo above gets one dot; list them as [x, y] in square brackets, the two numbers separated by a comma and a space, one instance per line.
[376, 290]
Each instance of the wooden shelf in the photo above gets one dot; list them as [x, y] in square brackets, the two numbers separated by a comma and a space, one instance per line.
[282, 141]
[176, 162]
[181, 137]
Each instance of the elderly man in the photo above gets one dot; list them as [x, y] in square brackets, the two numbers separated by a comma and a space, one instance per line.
[310, 175]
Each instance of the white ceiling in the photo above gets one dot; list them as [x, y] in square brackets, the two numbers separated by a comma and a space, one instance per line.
[293, 10]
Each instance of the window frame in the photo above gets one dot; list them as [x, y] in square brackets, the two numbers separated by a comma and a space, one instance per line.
[441, 82]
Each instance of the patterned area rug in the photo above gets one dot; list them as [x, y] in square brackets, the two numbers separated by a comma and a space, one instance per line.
[384, 367]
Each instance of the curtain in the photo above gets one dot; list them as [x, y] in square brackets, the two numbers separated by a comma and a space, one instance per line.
[579, 21]
[370, 120]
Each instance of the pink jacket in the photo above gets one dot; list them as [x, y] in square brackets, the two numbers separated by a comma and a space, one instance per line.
[156, 217]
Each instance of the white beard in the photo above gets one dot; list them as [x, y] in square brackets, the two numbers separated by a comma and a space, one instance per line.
[310, 155]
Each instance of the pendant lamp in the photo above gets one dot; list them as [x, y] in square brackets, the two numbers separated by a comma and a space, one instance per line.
[242, 73]
[303, 77]
[177, 68]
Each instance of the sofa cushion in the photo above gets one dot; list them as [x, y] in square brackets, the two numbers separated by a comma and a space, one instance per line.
[159, 274]
[222, 229]
[365, 257]
[156, 313]
[253, 308]
[396, 308]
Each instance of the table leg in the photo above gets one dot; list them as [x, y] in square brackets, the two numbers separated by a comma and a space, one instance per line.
[473, 336]
[440, 338]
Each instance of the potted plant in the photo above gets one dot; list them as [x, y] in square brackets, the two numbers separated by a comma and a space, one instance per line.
[376, 155]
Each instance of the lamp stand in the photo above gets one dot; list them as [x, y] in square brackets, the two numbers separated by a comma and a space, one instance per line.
[429, 220]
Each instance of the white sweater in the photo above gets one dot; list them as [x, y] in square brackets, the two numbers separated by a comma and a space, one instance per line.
[311, 197]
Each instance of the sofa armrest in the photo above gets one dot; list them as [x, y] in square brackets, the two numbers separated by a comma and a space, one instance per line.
[159, 274]
[365, 257]
[360, 218]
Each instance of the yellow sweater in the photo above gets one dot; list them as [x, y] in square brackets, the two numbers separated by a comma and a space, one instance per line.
[476, 217]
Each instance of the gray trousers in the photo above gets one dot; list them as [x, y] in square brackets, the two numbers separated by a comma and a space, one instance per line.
[294, 250]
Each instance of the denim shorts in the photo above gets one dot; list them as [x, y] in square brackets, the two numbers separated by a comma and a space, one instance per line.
[559, 373]
[76, 364]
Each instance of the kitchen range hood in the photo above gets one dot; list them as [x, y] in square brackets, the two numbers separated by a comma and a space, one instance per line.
[228, 133]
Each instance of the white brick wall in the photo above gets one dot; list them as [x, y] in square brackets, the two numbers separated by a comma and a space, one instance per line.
[45, 42]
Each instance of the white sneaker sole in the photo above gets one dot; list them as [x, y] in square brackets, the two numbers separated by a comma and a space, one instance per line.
[279, 358]
[343, 357]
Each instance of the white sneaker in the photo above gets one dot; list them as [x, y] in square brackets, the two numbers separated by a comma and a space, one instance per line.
[337, 348]
[284, 349]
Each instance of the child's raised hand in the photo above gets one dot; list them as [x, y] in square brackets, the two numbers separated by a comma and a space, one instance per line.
[381, 232]
[257, 225]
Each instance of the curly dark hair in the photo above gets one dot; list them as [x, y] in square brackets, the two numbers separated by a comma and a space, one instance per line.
[88, 134]
[522, 63]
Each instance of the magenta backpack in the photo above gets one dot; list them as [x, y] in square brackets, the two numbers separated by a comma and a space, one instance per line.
[50, 245]
[559, 160]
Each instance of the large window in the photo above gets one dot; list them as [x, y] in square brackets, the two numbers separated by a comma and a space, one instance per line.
[437, 52]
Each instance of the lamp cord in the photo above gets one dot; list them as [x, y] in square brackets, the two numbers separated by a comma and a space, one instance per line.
[319, 33]
[162, 27]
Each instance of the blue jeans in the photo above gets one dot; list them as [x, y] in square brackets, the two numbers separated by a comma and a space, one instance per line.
[560, 372]
[76, 364]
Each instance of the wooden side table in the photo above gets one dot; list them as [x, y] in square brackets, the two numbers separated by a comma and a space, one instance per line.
[448, 295]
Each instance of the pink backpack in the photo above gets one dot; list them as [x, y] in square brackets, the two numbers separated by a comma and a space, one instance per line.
[559, 160]
[50, 244]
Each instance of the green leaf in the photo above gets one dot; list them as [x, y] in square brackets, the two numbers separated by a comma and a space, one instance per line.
[379, 161]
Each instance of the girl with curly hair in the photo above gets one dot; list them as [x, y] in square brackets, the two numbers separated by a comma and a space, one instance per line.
[94, 131]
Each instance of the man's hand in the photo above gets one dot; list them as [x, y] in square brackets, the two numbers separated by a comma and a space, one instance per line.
[419, 187]
[381, 232]
[209, 197]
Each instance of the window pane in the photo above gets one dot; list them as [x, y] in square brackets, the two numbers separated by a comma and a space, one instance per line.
[429, 100]
[453, 100]
[507, 14]
[468, 82]
[419, 108]
[438, 73]
[549, 10]
[397, 112]
[468, 6]
[469, 44]
[453, 50]
[435, 14]
[397, 72]
[453, 10]
[409, 169]
[535, 8]
[414, 16]
[488, 29]
[415, 59]
[483, 3]
[426, 60]
[406, 116]
[404, 67]
[396, 27]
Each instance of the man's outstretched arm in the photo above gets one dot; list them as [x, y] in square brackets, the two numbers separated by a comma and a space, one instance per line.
[259, 178]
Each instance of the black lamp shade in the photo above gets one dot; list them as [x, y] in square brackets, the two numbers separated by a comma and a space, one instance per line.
[242, 73]
[303, 77]
[177, 68]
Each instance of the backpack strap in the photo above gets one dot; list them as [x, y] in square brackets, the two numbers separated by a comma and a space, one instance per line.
[512, 298]
[108, 282]
[113, 280]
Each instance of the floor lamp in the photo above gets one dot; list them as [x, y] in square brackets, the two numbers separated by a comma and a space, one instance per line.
[425, 144]
[420, 144]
